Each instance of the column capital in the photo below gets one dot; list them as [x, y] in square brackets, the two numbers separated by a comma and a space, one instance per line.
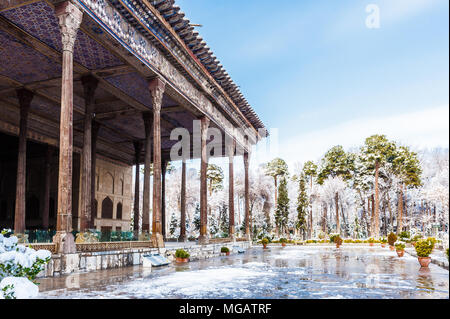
[246, 159]
[69, 17]
[90, 84]
[25, 97]
[231, 149]
[156, 87]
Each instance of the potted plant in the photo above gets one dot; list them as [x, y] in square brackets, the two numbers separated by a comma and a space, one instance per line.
[371, 242]
[225, 250]
[415, 239]
[338, 241]
[392, 238]
[383, 242]
[424, 247]
[283, 242]
[264, 242]
[182, 256]
[400, 248]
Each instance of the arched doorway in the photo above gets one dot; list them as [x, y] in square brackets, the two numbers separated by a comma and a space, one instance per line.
[107, 208]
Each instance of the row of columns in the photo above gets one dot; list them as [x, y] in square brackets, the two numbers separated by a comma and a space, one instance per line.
[69, 17]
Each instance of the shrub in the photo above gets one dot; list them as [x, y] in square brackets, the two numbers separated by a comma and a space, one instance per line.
[447, 254]
[19, 266]
[404, 235]
[264, 241]
[400, 246]
[371, 240]
[424, 247]
[392, 238]
[224, 250]
[283, 240]
[338, 240]
[416, 238]
[383, 240]
[181, 253]
[333, 237]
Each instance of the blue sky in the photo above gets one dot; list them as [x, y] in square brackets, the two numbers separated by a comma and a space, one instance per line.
[313, 70]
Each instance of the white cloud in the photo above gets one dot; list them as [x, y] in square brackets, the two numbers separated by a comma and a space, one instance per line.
[422, 129]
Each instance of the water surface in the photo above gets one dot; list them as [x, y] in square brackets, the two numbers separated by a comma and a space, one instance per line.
[300, 272]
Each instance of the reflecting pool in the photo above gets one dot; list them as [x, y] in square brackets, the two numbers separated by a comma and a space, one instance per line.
[301, 272]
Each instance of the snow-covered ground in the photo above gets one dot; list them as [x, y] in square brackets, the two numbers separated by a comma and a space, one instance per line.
[290, 272]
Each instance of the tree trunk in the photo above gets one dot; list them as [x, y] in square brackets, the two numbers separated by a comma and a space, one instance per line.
[373, 218]
[377, 202]
[400, 210]
[311, 228]
[336, 203]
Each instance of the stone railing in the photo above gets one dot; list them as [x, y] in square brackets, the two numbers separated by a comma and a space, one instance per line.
[241, 239]
[108, 246]
[47, 246]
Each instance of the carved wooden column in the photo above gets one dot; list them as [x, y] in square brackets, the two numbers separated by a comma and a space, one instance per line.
[231, 191]
[246, 197]
[89, 85]
[156, 87]
[163, 197]
[182, 237]
[94, 204]
[69, 16]
[137, 149]
[203, 239]
[25, 98]
[148, 118]
[47, 181]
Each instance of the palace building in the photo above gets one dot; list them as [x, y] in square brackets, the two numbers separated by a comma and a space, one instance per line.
[89, 88]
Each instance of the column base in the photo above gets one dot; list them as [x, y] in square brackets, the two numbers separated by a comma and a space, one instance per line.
[22, 238]
[182, 239]
[203, 240]
[157, 240]
[65, 243]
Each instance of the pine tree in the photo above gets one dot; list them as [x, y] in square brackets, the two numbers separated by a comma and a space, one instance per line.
[302, 206]
[173, 225]
[310, 172]
[282, 210]
[196, 220]
[336, 163]
[378, 150]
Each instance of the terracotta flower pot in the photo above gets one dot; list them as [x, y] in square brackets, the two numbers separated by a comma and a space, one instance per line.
[371, 244]
[424, 261]
[283, 244]
[391, 248]
[182, 260]
[264, 246]
[400, 253]
[337, 245]
[227, 253]
[383, 245]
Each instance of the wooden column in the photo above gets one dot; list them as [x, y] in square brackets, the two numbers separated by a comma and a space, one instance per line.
[156, 87]
[182, 237]
[203, 239]
[89, 85]
[163, 197]
[246, 197]
[25, 98]
[69, 16]
[231, 191]
[46, 199]
[94, 205]
[148, 118]
[137, 149]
